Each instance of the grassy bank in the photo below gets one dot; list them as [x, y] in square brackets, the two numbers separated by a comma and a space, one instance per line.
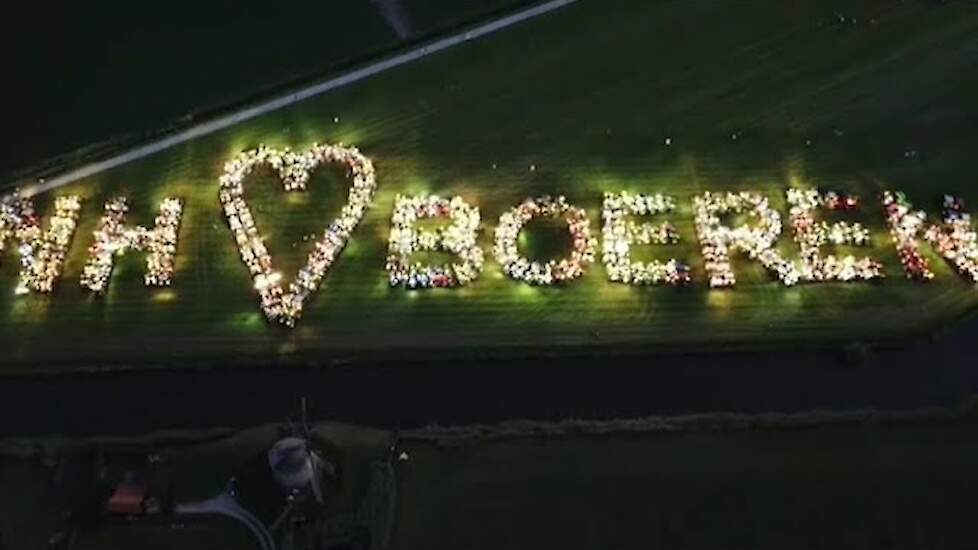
[854, 484]
[830, 480]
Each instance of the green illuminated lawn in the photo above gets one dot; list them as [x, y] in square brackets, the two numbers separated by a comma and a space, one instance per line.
[586, 95]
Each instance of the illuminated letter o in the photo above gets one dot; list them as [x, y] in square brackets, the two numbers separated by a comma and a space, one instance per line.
[553, 271]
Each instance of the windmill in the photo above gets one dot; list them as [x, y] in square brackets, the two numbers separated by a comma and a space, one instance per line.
[297, 467]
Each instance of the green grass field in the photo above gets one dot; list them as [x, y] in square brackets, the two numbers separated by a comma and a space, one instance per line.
[587, 96]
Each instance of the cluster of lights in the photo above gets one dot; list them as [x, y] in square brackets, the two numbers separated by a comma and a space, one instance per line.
[553, 271]
[113, 238]
[458, 238]
[954, 240]
[620, 233]
[812, 234]
[295, 170]
[42, 253]
[718, 240]
[957, 242]
[905, 223]
[840, 201]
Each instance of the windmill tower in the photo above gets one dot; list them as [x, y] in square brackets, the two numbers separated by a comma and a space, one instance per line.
[297, 467]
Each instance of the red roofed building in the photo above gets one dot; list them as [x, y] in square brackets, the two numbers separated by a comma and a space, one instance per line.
[127, 499]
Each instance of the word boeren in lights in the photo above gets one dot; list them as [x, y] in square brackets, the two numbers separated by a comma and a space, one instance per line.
[42, 252]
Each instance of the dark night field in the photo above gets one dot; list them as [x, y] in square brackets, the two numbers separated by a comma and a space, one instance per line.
[849, 486]
[815, 102]
[842, 484]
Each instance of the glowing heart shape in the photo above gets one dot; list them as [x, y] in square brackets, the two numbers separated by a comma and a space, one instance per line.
[294, 170]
